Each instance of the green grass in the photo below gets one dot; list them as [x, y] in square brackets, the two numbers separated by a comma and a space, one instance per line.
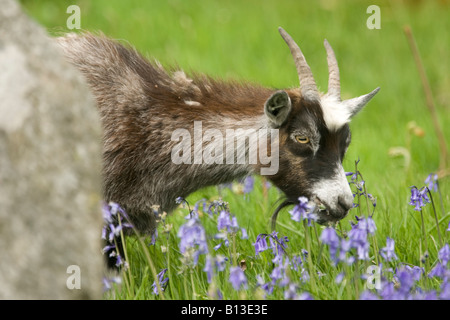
[239, 40]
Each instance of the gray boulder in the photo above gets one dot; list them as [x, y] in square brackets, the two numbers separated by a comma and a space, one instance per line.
[50, 166]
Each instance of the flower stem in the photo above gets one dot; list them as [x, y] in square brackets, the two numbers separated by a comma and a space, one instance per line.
[436, 218]
[424, 239]
[310, 264]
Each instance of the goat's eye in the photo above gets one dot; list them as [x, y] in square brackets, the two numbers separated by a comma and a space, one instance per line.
[302, 139]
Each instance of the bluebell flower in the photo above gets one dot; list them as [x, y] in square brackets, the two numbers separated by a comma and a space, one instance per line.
[221, 262]
[303, 210]
[260, 243]
[407, 280]
[432, 183]
[444, 254]
[248, 184]
[179, 200]
[329, 237]
[388, 252]
[115, 221]
[419, 198]
[367, 224]
[213, 264]
[162, 281]
[277, 274]
[154, 237]
[223, 221]
[192, 235]
[244, 235]
[226, 242]
[305, 296]
[291, 292]
[445, 291]
[346, 246]
[360, 185]
[267, 287]
[108, 282]
[234, 227]
[358, 236]
[339, 278]
[227, 222]
[439, 271]
[278, 245]
[296, 263]
[209, 268]
[237, 278]
[367, 295]
[299, 212]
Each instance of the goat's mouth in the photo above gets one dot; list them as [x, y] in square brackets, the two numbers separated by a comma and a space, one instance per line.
[325, 214]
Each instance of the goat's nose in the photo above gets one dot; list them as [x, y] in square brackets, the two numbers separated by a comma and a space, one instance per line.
[345, 202]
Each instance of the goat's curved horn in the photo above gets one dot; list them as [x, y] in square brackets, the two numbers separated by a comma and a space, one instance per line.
[308, 86]
[334, 83]
[356, 104]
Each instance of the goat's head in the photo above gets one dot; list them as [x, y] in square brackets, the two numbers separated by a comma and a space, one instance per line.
[314, 136]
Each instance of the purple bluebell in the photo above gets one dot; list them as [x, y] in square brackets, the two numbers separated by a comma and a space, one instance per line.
[339, 278]
[223, 221]
[367, 224]
[248, 184]
[209, 268]
[192, 235]
[367, 295]
[388, 252]
[444, 254]
[244, 235]
[221, 262]
[419, 198]
[267, 287]
[162, 281]
[260, 243]
[237, 278]
[432, 182]
[439, 270]
[291, 292]
[329, 237]
[278, 244]
[108, 282]
[300, 210]
[445, 291]
[296, 263]
[372, 199]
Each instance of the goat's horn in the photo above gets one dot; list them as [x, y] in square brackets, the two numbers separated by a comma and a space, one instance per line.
[308, 86]
[356, 104]
[334, 83]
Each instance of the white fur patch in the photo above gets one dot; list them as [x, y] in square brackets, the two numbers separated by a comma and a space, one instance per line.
[192, 103]
[330, 190]
[335, 114]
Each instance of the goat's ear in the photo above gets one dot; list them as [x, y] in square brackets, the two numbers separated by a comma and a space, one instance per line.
[277, 107]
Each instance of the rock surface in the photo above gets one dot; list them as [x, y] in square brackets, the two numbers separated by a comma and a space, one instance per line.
[50, 166]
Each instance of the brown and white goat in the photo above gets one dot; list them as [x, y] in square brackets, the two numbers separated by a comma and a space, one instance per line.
[142, 105]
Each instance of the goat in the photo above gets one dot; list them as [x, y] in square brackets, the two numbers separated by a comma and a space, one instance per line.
[141, 105]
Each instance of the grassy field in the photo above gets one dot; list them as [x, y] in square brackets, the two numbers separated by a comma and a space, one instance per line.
[239, 40]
